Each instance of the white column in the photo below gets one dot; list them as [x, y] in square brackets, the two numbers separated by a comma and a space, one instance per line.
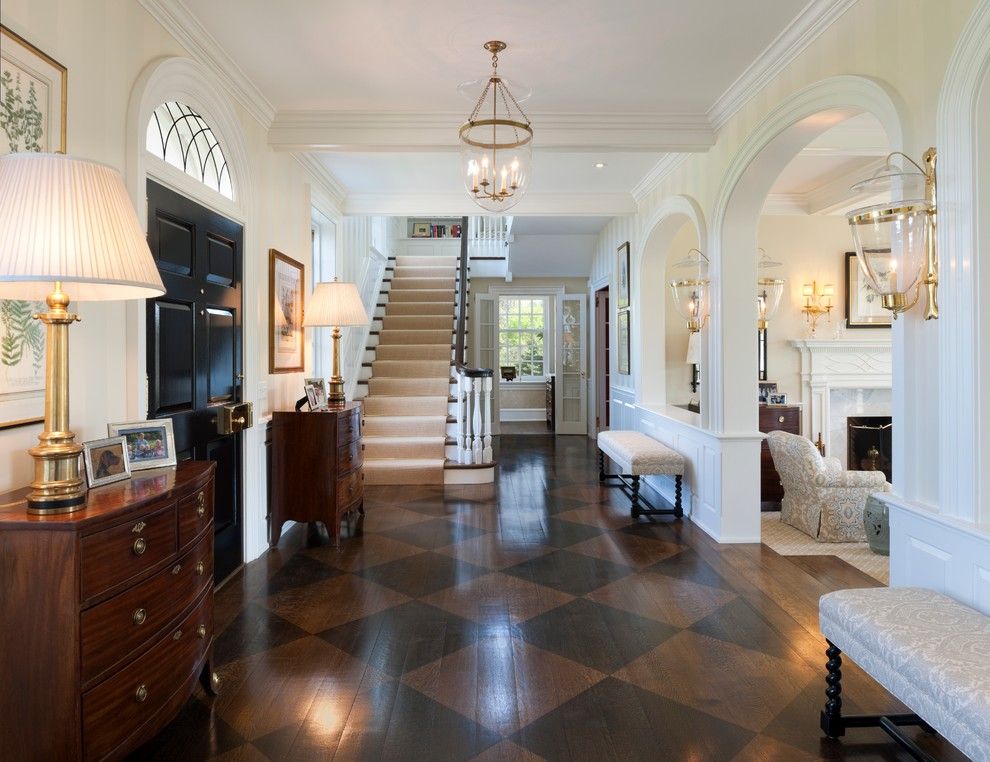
[476, 444]
[487, 430]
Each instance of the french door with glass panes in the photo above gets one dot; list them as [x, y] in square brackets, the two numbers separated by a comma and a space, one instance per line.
[571, 365]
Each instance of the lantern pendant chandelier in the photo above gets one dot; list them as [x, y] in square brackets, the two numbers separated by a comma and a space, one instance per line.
[768, 291]
[689, 288]
[496, 144]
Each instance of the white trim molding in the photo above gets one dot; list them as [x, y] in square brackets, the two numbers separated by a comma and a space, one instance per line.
[460, 204]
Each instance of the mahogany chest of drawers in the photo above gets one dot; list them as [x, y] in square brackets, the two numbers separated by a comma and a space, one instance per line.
[774, 418]
[107, 615]
[316, 474]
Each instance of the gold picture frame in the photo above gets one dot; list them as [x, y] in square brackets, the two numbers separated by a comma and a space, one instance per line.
[623, 276]
[32, 84]
[286, 294]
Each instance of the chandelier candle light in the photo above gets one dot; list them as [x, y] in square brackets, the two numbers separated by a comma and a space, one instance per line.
[690, 292]
[496, 150]
[66, 225]
[335, 304]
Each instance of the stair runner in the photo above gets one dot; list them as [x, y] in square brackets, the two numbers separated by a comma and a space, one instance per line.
[406, 406]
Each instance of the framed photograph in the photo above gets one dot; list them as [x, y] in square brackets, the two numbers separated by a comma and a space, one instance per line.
[766, 389]
[150, 444]
[863, 308]
[421, 230]
[778, 399]
[316, 393]
[106, 461]
[286, 280]
[622, 338]
[622, 275]
[33, 92]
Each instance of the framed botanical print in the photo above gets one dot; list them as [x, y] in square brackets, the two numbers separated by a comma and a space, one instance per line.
[622, 275]
[33, 90]
[286, 279]
[863, 308]
[622, 339]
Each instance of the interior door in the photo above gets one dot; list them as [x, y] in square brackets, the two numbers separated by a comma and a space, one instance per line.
[602, 380]
[572, 382]
[194, 347]
[485, 324]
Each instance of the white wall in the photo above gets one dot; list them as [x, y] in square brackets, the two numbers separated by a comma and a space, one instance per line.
[554, 256]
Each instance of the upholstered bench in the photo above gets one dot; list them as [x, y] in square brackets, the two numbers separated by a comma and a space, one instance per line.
[930, 651]
[636, 454]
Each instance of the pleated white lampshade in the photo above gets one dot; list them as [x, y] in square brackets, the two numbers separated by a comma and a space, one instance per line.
[335, 303]
[70, 220]
[694, 349]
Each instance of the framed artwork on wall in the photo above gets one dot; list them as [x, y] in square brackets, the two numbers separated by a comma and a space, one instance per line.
[863, 308]
[622, 275]
[622, 338]
[33, 91]
[286, 279]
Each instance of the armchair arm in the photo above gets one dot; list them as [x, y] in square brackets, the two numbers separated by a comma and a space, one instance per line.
[873, 479]
[833, 466]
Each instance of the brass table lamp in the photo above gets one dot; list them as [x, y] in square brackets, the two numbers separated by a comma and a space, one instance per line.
[335, 304]
[66, 225]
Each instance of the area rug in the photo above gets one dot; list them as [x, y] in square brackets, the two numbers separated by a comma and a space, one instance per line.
[788, 541]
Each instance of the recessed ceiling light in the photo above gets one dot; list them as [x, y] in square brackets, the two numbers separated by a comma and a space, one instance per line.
[599, 165]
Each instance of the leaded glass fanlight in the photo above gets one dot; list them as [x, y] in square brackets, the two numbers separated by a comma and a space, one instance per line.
[181, 137]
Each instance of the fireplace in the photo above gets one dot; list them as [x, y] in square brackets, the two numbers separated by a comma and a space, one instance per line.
[869, 443]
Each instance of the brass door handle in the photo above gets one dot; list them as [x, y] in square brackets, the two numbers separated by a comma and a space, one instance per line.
[140, 546]
[141, 693]
[139, 616]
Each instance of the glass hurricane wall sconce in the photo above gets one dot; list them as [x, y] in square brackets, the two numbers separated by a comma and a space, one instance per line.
[690, 291]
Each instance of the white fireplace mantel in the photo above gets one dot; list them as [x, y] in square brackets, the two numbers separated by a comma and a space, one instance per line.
[828, 364]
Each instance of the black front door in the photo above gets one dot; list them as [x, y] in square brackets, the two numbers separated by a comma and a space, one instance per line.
[194, 347]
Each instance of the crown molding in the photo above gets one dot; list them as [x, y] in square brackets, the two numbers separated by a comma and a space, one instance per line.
[179, 22]
[816, 17]
[323, 177]
[660, 171]
[437, 131]
[459, 204]
[779, 204]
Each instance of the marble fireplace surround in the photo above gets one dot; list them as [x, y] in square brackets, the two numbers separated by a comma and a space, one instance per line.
[841, 378]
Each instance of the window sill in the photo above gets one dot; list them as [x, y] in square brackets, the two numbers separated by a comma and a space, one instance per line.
[523, 383]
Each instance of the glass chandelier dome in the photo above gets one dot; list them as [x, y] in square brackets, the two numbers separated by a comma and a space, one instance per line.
[496, 144]
[689, 287]
[892, 237]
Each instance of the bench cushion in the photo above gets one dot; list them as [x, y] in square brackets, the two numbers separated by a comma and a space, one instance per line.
[640, 455]
[930, 651]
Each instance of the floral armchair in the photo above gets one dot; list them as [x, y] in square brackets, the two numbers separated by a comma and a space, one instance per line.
[820, 498]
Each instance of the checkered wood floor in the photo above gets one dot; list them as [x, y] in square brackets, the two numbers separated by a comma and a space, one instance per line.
[531, 619]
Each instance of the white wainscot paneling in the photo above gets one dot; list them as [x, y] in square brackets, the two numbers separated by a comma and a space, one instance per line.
[939, 553]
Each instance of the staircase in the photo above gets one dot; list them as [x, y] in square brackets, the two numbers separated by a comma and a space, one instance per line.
[407, 403]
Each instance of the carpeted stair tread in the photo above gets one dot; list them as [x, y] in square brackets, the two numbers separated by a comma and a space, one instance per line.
[420, 295]
[424, 272]
[413, 352]
[405, 425]
[404, 471]
[417, 284]
[408, 387]
[389, 448]
[415, 336]
[399, 405]
[418, 260]
[417, 322]
[418, 369]
[420, 308]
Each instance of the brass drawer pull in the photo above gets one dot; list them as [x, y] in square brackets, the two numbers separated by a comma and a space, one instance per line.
[201, 631]
[139, 527]
[177, 635]
[140, 546]
[200, 568]
[176, 569]
[141, 693]
[780, 420]
[139, 616]
[201, 504]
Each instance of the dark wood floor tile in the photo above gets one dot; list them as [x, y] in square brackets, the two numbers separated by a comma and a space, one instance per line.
[255, 629]
[677, 602]
[422, 574]
[496, 598]
[493, 551]
[594, 635]
[570, 572]
[506, 751]
[434, 533]
[627, 549]
[739, 623]
[333, 601]
[404, 638]
[197, 733]
[363, 551]
[617, 721]
[298, 570]
[690, 566]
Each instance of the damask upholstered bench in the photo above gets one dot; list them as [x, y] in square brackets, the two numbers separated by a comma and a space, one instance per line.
[635, 454]
[928, 650]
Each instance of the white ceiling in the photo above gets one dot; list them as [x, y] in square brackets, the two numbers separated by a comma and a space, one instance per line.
[638, 56]
[539, 225]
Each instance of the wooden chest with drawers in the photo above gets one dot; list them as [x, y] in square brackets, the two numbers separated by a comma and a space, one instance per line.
[107, 615]
[774, 418]
[316, 467]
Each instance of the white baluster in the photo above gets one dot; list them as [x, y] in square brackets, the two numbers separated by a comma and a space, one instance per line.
[468, 419]
[460, 418]
[476, 444]
[486, 456]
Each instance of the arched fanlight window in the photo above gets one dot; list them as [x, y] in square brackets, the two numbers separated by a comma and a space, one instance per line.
[181, 137]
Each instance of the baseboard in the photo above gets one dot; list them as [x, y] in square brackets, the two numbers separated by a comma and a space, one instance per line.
[523, 414]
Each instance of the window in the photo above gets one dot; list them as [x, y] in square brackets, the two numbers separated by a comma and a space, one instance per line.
[179, 136]
[523, 328]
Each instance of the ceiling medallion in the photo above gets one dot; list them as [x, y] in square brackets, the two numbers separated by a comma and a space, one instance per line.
[496, 144]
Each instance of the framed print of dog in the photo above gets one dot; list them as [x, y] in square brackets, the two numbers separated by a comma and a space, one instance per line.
[106, 461]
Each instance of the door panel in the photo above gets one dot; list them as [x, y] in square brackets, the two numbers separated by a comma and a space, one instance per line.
[602, 360]
[194, 346]
[572, 386]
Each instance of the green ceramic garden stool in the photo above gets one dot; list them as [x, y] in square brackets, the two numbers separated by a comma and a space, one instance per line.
[877, 522]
